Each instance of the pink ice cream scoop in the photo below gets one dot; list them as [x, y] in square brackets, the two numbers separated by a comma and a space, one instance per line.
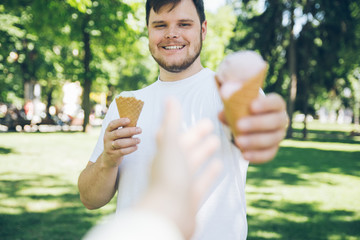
[236, 69]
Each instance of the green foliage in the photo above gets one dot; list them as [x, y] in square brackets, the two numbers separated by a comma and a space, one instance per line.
[43, 42]
[48, 38]
[263, 31]
[214, 49]
[327, 43]
[34, 47]
[80, 5]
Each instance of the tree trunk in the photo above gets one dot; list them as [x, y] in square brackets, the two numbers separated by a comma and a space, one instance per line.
[49, 100]
[306, 85]
[293, 78]
[305, 101]
[87, 74]
[305, 131]
[357, 116]
[28, 84]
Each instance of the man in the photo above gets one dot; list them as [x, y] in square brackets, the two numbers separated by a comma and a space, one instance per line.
[122, 157]
[167, 211]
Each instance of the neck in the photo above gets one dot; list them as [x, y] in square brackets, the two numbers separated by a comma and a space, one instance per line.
[167, 76]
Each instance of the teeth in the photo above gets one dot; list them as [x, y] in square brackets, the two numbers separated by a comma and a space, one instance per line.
[173, 47]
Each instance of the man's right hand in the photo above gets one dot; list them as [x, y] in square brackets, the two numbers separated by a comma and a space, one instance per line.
[118, 142]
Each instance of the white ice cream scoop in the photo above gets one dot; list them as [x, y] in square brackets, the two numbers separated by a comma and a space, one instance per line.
[237, 68]
[127, 94]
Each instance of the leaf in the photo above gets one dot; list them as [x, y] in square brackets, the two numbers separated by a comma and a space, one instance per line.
[81, 5]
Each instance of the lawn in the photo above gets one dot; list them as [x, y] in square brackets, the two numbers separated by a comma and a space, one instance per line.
[310, 191]
[38, 192]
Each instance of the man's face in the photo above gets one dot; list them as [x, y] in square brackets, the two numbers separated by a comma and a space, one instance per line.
[175, 37]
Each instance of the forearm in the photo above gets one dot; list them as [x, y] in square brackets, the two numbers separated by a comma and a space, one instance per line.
[97, 184]
[173, 207]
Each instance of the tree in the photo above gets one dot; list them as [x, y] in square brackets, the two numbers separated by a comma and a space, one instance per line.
[10, 36]
[214, 49]
[72, 40]
[306, 45]
[35, 48]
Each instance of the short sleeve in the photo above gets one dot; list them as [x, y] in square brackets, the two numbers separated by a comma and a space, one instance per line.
[111, 115]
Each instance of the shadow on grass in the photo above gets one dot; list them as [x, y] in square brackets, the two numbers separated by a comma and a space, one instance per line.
[327, 136]
[289, 220]
[62, 223]
[4, 150]
[314, 223]
[51, 210]
[291, 163]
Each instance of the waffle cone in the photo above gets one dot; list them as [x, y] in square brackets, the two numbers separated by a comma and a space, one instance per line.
[238, 104]
[129, 107]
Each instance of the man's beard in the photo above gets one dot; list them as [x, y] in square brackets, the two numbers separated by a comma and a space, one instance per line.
[176, 68]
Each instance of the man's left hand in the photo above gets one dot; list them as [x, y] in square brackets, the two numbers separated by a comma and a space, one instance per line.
[263, 130]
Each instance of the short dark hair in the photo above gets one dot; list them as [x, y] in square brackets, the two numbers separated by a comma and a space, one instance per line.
[158, 4]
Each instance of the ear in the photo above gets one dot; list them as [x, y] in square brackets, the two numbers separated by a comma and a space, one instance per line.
[203, 30]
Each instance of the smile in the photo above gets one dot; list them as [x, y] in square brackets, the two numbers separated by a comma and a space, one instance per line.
[174, 47]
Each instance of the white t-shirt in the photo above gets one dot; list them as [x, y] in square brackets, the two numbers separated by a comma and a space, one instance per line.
[223, 213]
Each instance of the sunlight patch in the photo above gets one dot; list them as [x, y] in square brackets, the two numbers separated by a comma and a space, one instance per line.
[40, 191]
[328, 146]
[42, 206]
[268, 235]
[272, 214]
[10, 210]
[341, 237]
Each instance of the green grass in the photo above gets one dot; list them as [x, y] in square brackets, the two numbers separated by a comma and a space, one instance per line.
[38, 191]
[310, 191]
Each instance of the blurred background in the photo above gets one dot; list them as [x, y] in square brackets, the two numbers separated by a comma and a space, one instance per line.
[63, 62]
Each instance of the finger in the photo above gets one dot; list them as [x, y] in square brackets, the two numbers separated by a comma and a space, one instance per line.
[202, 152]
[260, 140]
[115, 124]
[218, 79]
[168, 149]
[269, 103]
[260, 156]
[124, 133]
[196, 134]
[171, 120]
[203, 183]
[263, 122]
[222, 117]
[127, 150]
[124, 143]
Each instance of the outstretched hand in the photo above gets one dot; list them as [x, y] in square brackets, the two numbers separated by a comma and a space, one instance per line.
[174, 191]
[263, 130]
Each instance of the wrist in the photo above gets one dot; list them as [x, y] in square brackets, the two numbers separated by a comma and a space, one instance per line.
[174, 207]
[106, 163]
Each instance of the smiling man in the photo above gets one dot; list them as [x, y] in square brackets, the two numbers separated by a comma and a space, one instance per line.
[175, 39]
[122, 157]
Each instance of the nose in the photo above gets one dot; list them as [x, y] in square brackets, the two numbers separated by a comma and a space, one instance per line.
[172, 33]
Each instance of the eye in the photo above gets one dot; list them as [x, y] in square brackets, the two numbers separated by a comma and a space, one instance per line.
[185, 24]
[160, 26]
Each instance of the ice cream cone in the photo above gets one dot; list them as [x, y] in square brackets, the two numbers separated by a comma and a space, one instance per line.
[238, 104]
[129, 107]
